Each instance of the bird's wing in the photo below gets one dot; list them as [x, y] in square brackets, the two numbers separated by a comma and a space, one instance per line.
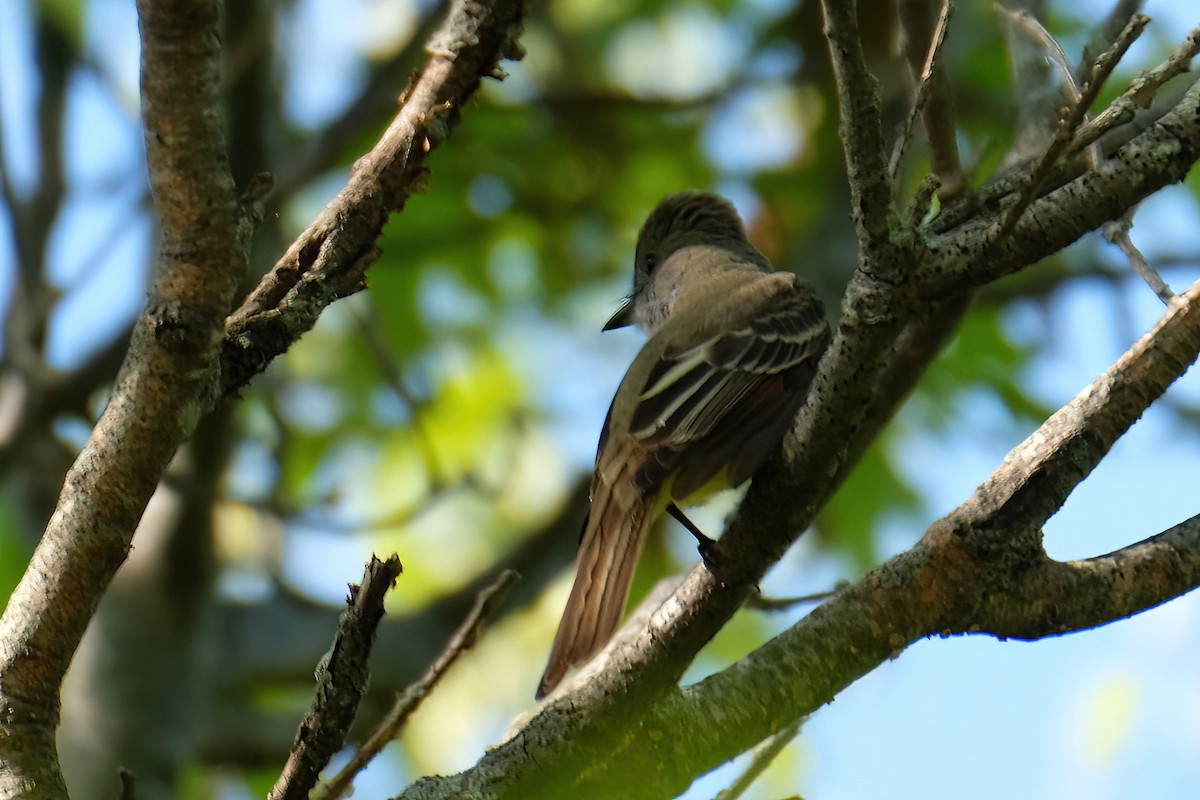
[724, 401]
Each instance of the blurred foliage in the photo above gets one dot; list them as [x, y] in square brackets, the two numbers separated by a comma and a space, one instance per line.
[430, 417]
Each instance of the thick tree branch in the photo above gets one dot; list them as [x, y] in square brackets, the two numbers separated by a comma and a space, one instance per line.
[1060, 597]
[169, 379]
[1037, 476]
[929, 590]
[330, 258]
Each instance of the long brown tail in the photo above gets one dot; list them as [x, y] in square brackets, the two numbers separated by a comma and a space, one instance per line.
[612, 541]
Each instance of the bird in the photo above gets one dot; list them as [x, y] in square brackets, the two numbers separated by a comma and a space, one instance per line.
[732, 346]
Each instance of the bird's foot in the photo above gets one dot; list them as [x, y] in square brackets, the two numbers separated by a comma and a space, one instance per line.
[705, 544]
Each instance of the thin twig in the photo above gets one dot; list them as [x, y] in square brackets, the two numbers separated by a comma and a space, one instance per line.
[1077, 113]
[761, 759]
[760, 602]
[925, 79]
[1117, 232]
[1104, 34]
[1139, 94]
[341, 683]
[463, 638]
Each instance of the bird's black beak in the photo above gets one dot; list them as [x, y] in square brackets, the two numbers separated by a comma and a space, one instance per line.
[621, 319]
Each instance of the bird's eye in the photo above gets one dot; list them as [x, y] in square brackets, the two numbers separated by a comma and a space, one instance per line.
[649, 263]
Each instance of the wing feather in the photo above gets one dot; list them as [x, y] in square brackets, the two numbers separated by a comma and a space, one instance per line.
[724, 401]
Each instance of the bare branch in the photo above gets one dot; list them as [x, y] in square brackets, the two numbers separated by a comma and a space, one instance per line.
[1139, 94]
[1061, 597]
[932, 97]
[938, 587]
[1038, 475]
[328, 261]
[1077, 113]
[971, 254]
[1117, 232]
[341, 681]
[862, 137]
[762, 758]
[169, 379]
[462, 640]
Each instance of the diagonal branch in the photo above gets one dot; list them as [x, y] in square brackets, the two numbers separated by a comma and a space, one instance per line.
[1105, 63]
[168, 380]
[341, 682]
[1038, 475]
[407, 702]
[970, 254]
[329, 259]
[924, 37]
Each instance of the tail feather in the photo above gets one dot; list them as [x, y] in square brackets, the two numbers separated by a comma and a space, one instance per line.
[612, 541]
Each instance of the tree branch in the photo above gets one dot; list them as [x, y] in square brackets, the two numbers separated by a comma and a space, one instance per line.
[169, 379]
[341, 682]
[1038, 475]
[328, 261]
[972, 254]
[861, 133]
[924, 36]
[462, 640]
[1060, 597]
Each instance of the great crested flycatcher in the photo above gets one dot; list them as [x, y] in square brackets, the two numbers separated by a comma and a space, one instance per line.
[732, 348]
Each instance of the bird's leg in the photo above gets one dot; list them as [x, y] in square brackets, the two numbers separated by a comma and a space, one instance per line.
[704, 543]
